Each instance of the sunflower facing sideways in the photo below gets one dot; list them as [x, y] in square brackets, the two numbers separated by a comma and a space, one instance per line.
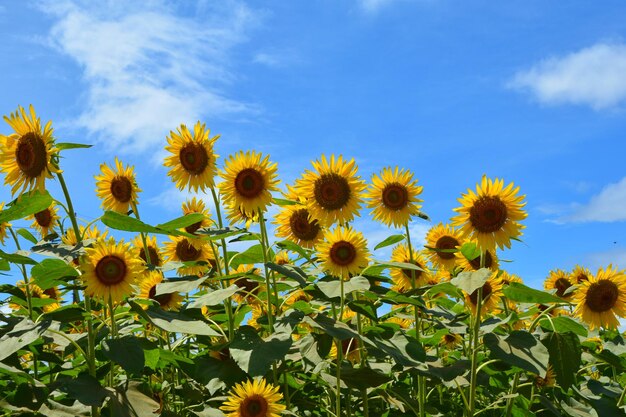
[154, 252]
[601, 298]
[343, 252]
[491, 215]
[110, 270]
[192, 160]
[181, 249]
[405, 279]
[393, 196]
[296, 224]
[3, 227]
[196, 206]
[148, 284]
[45, 220]
[117, 188]
[92, 232]
[441, 242]
[580, 274]
[333, 191]
[26, 155]
[490, 260]
[254, 398]
[491, 296]
[559, 281]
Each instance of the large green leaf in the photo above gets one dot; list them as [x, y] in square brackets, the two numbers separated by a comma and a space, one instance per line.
[214, 297]
[290, 246]
[363, 378]
[519, 349]
[126, 352]
[290, 271]
[252, 255]
[24, 333]
[335, 329]
[470, 281]
[255, 355]
[27, 235]
[51, 272]
[25, 205]
[67, 145]
[17, 258]
[332, 288]
[391, 240]
[66, 314]
[174, 322]
[564, 349]
[179, 285]
[523, 294]
[84, 388]
[367, 308]
[126, 223]
[403, 349]
[215, 374]
[563, 324]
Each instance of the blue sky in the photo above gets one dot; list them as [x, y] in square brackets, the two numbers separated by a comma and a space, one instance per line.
[530, 91]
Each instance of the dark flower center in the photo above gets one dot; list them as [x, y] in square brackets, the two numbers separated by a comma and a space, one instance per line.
[253, 406]
[121, 189]
[581, 278]
[31, 155]
[475, 263]
[488, 214]
[154, 256]
[342, 253]
[486, 293]
[44, 218]
[332, 191]
[395, 197]
[249, 286]
[561, 285]
[601, 296]
[449, 338]
[194, 158]
[185, 251]
[193, 228]
[409, 273]
[446, 242]
[249, 183]
[301, 227]
[110, 270]
[162, 299]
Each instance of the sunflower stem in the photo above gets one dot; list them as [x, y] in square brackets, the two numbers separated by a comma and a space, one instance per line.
[339, 351]
[474, 351]
[362, 354]
[143, 235]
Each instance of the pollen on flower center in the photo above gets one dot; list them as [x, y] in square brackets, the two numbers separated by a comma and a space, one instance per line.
[488, 214]
[31, 155]
[254, 406]
[602, 296]
[194, 158]
[561, 286]
[154, 256]
[332, 191]
[110, 270]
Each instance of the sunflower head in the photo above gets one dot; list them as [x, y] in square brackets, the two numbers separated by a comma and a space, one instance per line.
[154, 253]
[491, 215]
[51, 293]
[509, 278]
[148, 284]
[117, 187]
[546, 381]
[442, 242]
[26, 155]
[350, 350]
[343, 252]
[196, 206]
[405, 279]
[393, 196]
[296, 224]
[92, 232]
[600, 299]
[235, 216]
[560, 282]
[45, 220]
[182, 249]
[248, 182]
[333, 191]
[253, 399]
[110, 270]
[3, 227]
[491, 296]
[192, 160]
[579, 275]
[451, 340]
[490, 260]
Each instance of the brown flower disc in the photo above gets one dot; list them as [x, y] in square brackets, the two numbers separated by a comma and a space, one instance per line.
[332, 191]
[31, 155]
[488, 214]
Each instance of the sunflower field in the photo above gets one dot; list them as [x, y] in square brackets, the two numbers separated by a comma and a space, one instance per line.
[228, 311]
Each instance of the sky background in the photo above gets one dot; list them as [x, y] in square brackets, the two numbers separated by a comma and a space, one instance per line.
[530, 91]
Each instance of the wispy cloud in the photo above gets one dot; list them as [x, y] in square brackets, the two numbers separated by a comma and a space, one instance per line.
[148, 67]
[593, 76]
[606, 206]
[617, 257]
[373, 6]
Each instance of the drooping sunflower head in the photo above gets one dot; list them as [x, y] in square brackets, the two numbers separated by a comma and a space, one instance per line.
[603, 297]
[110, 270]
[282, 258]
[26, 154]
[236, 216]
[92, 232]
[254, 398]
[491, 296]
[249, 286]
[296, 224]
[580, 274]
[154, 253]
[333, 191]
[196, 206]
[491, 215]
[343, 252]
[148, 284]
[406, 279]
[182, 249]
[248, 182]
[3, 227]
[442, 242]
[490, 260]
[560, 282]
[451, 340]
[45, 220]
[393, 196]
[117, 187]
[192, 159]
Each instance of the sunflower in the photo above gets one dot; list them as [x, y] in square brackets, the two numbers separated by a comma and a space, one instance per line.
[403, 279]
[26, 155]
[490, 261]
[393, 196]
[3, 227]
[441, 242]
[253, 399]
[547, 381]
[181, 249]
[235, 216]
[509, 278]
[491, 295]
[36, 292]
[297, 295]
[148, 284]
[601, 298]
[154, 252]
[117, 189]
[559, 281]
[249, 179]
[282, 258]
[110, 269]
[45, 220]
[343, 252]
[296, 224]
[580, 274]
[257, 312]
[450, 340]
[349, 348]
[402, 322]
[333, 191]
[249, 288]
[92, 232]
[196, 206]
[192, 161]
[491, 215]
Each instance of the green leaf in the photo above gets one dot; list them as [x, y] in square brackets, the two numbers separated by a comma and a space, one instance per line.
[403, 349]
[126, 352]
[564, 349]
[363, 378]
[333, 328]
[4, 265]
[213, 298]
[66, 314]
[126, 223]
[290, 246]
[255, 355]
[252, 255]
[523, 294]
[564, 324]
[25, 205]
[367, 308]
[51, 272]
[181, 222]
[16, 258]
[84, 388]
[519, 349]
[215, 374]
[470, 281]
[332, 289]
[174, 322]
[179, 285]
[470, 251]
[283, 202]
[391, 240]
[23, 334]
[290, 271]
[66, 145]
[27, 235]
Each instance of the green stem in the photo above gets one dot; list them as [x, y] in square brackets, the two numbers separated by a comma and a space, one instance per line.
[143, 235]
[362, 354]
[264, 246]
[267, 243]
[621, 397]
[475, 348]
[29, 296]
[339, 353]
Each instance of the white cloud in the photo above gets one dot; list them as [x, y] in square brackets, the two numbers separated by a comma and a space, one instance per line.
[617, 257]
[607, 206]
[594, 76]
[148, 68]
[268, 59]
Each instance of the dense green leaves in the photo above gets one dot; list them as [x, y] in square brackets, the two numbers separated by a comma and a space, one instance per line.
[255, 355]
[127, 352]
[25, 205]
[119, 221]
[564, 349]
[523, 294]
[519, 349]
[470, 281]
